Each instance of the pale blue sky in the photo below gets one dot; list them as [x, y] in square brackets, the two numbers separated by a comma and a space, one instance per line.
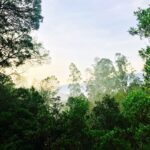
[80, 30]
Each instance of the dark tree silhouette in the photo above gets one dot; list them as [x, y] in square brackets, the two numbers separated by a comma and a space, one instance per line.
[17, 19]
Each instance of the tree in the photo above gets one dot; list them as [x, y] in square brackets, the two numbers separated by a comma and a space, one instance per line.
[143, 30]
[121, 62]
[125, 76]
[107, 115]
[136, 109]
[107, 78]
[17, 19]
[6, 81]
[75, 78]
[108, 126]
[73, 125]
[49, 90]
[145, 54]
[24, 119]
[103, 79]
[49, 85]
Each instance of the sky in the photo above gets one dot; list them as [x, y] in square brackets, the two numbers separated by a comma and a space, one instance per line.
[79, 30]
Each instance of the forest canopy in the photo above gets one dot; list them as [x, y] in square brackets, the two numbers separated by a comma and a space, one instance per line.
[17, 19]
[113, 115]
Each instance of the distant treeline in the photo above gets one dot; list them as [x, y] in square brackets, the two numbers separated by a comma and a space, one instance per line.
[115, 115]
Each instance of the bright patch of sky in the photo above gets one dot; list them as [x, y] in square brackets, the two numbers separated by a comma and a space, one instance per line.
[80, 30]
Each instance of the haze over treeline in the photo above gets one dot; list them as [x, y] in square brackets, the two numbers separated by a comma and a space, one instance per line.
[114, 113]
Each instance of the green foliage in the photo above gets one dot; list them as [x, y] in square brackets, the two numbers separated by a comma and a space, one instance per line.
[17, 19]
[37, 120]
[74, 125]
[27, 122]
[137, 107]
[5, 81]
[113, 139]
[145, 54]
[143, 26]
[107, 114]
[24, 119]
[143, 30]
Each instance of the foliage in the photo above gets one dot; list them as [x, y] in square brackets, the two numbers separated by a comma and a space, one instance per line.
[17, 19]
[37, 120]
[137, 107]
[21, 118]
[27, 122]
[143, 26]
[75, 78]
[49, 88]
[143, 30]
[145, 54]
[103, 79]
[106, 114]
[108, 79]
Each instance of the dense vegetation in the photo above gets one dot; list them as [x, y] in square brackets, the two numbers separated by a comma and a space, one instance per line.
[115, 114]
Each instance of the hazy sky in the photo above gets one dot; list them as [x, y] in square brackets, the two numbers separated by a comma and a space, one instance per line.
[80, 30]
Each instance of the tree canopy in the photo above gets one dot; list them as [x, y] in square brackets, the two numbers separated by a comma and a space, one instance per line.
[17, 19]
[74, 79]
[143, 30]
[37, 119]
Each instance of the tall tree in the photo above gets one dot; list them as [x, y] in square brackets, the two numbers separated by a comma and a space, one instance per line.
[74, 78]
[17, 19]
[107, 78]
[143, 30]
[125, 74]
[121, 62]
[49, 88]
[50, 84]
[103, 79]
